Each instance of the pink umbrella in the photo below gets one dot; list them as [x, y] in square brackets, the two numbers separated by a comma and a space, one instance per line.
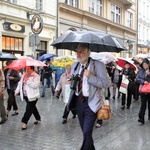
[23, 62]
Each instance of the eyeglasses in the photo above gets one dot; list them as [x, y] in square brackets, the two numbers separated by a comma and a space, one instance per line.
[81, 52]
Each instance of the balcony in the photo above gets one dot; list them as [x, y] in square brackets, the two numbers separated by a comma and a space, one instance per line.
[127, 3]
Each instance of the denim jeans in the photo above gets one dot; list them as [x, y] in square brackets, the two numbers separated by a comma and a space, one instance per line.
[45, 85]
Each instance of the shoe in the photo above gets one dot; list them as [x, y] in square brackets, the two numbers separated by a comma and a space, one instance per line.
[107, 97]
[15, 113]
[74, 116]
[98, 125]
[57, 96]
[128, 107]
[42, 96]
[141, 121]
[3, 121]
[64, 121]
[24, 127]
[37, 122]
[136, 101]
[122, 107]
[149, 119]
[113, 97]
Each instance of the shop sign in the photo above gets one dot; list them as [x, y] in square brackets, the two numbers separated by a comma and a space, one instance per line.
[36, 24]
[13, 27]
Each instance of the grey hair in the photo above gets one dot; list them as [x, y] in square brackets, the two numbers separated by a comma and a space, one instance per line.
[85, 45]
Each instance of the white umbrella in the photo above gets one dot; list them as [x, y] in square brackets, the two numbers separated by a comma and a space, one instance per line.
[104, 57]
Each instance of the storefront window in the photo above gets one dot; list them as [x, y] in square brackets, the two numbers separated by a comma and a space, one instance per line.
[12, 43]
[42, 45]
[16, 44]
[3, 43]
[12, 40]
[7, 42]
[20, 44]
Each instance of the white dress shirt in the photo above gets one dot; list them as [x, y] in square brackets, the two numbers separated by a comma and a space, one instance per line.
[85, 85]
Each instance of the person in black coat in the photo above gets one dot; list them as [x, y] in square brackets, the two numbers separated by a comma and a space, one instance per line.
[143, 77]
[130, 75]
[12, 78]
[47, 77]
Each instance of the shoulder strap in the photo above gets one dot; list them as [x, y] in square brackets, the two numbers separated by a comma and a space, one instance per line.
[99, 90]
[76, 67]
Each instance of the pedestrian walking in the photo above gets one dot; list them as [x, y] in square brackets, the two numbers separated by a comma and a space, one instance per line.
[143, 77]
[115, 81]
[137, 94]
[63, 83]
[12, 78]
[28, 87]
[47, 78]
[2, 107]
[93, 75]
[130, 75]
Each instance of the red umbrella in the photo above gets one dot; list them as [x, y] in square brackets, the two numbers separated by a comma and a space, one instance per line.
[23, 62]
[121, 62]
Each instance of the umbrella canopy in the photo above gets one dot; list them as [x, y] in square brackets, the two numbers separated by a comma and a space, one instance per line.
[139, 58]
[46, 56]
[23, 62]
[98, 42]
[103, 57]
[6, 56]
[121, 63]
[63, 61]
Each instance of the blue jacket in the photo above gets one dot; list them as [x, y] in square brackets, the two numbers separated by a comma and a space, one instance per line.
[141, 76]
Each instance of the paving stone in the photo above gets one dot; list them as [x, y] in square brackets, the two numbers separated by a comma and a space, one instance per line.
[121, 132]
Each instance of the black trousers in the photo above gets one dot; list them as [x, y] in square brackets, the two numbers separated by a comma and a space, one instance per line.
[144, 99]
[87, 119]
[137, 92]
[30, 109]
[11, 100]
[66, 113]
[130, 92]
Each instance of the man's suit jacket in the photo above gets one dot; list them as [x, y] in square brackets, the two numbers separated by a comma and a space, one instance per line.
[95, 81]
[13, 83]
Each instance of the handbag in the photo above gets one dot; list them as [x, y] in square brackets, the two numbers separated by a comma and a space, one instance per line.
[144, 88]
[104, 113]
[124, 85]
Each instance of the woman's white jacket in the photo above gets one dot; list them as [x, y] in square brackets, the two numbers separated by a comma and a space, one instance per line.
[32, 86]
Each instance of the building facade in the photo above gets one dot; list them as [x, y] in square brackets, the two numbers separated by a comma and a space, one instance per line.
[143, 26]
[15, 26]
[116, 17]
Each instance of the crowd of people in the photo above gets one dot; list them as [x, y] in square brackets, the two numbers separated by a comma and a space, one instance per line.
[92, 74]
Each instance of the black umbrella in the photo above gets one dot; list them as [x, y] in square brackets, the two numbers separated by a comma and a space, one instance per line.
[98, 42]
[6, 56]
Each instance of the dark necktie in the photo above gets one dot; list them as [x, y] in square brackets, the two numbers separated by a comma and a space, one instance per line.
[80, 96]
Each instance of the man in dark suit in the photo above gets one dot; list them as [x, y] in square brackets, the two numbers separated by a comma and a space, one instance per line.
[93, 75]
[12, 78]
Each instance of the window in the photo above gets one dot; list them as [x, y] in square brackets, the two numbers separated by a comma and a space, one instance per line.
[39, 5]
[12, 1]
[129, 19]
[115, 13]
[42, 45]
[74, 3]
[12, 43]
[96, 7]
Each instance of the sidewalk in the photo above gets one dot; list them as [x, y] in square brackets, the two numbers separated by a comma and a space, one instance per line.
[122, 132]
